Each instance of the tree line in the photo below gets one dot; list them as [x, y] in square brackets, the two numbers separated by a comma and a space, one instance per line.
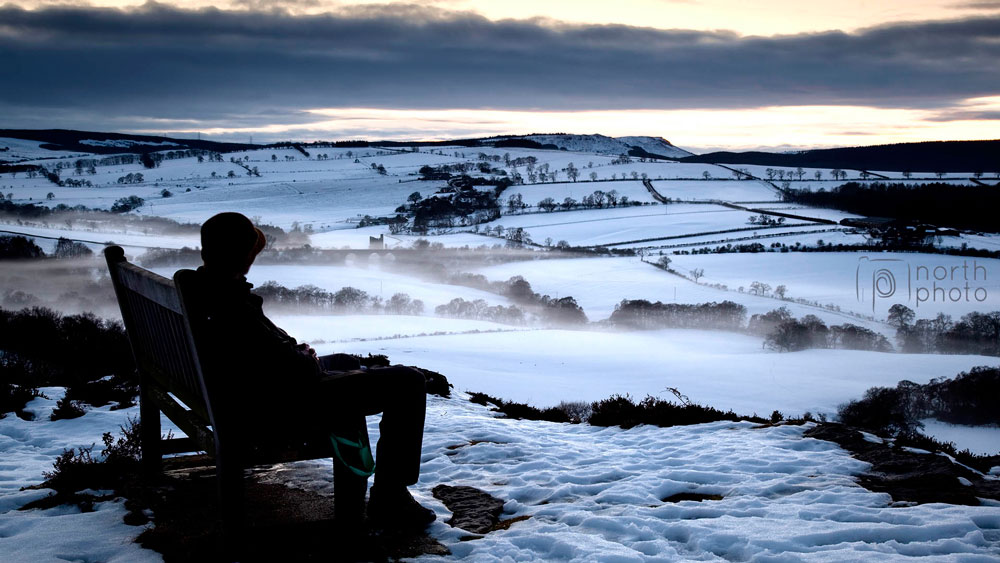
[973, 333]
[962, 207]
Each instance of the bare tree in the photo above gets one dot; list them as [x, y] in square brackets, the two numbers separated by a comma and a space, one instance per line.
[572, 171]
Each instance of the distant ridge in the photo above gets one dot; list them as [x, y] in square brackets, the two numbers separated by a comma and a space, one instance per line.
[114, 143]
[110, 143]
[930, 156]
[655, 147]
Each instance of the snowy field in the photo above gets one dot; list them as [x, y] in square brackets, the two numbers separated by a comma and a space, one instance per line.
[373, 280]
[725, 190]
[724, 370]
[584, 493]
[135, 243]
[815, 212]
[619, 225]
[589, 493]
[337, 329]
[809, 235]
[598, 284]
[845, 279]
[23, 149]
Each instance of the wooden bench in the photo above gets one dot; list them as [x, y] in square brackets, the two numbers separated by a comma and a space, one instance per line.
[164, 327]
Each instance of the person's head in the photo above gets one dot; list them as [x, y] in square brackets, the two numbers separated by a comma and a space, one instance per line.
[230, 242]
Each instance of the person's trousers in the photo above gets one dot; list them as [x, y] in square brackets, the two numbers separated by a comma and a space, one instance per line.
[398, 393]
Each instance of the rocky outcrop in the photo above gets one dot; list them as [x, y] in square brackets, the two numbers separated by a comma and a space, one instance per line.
[472, 510]
[909, 475]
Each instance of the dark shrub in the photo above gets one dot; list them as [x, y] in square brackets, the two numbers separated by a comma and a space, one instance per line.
[119, 461]
[520, 410]
[87, 355]
[67, 409]
[617, 410]
[621, 411]
[970, 398]
[126, 204]
[883, 410]
[66, 248]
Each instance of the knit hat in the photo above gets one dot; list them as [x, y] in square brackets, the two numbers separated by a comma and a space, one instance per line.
[230, 242]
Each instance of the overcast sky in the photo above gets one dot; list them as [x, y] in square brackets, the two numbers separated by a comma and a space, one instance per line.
[704, 75]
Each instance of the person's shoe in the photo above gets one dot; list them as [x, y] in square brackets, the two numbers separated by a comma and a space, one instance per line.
[397, 509]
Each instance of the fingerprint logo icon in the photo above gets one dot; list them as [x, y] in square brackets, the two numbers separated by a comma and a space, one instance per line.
[877, 279]
[883, 284]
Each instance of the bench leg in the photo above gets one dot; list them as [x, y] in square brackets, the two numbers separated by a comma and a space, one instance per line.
[149, 432]
[229, 475]
[348, 494]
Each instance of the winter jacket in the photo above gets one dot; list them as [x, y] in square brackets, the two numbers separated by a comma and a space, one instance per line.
[256, 372]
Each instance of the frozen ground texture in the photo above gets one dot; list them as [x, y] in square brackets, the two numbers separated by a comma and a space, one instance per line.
[597, 495]
[584, 493]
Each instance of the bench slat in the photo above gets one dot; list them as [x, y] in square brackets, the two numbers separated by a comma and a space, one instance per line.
[195, 428]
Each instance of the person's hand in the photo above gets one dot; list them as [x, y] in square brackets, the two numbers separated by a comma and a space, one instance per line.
[308, 349]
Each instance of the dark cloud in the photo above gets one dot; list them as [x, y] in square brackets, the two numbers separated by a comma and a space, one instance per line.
[984, 5]
[255, 67]
[965, 115]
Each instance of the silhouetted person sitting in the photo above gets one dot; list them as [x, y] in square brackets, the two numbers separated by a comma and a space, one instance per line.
[285, 390]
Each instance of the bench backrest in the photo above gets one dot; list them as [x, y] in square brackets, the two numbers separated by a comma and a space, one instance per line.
[166, 326]
[158, 332]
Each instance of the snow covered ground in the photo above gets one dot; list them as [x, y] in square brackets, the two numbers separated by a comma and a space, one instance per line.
[626, 224]
[725, 190]
[62, 533]
[23, 149]
[598, 284]
[590, 493]
[582, 492]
